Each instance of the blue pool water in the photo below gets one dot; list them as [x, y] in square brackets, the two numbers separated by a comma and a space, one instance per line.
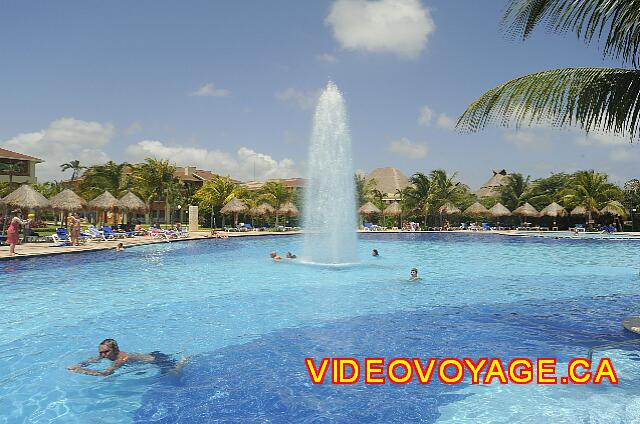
[247, 324]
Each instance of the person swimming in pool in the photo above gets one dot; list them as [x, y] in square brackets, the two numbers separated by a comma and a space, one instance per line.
[109, 349]
[414, 275]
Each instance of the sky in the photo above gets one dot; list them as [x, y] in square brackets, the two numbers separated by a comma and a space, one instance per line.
[231, 86]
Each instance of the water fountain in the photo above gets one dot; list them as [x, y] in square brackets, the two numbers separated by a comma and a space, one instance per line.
[330, 209]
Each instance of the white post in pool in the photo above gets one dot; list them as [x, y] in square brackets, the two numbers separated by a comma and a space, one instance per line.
[330, 206]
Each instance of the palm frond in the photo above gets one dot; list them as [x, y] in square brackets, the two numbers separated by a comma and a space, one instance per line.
[614, 22]
[606, 99]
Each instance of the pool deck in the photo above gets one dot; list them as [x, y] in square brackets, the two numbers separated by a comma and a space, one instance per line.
[47, 249]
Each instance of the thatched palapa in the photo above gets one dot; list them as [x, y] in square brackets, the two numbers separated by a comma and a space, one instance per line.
[449, 209]
[263, 209]
[614, 208]
[393, 209]
[234, 206]
[526, 210]
[582, 211]
[288, 209]
[553, 210]
[26, 197]
[499, 210]
[131, 203]
[368, 209]
[104, 202]
[67, 201]
[477, 210]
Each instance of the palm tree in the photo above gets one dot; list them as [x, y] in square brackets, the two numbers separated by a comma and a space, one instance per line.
[512, 194]
[364, 189]
[11, 169]
[276, 194]
[416, 196]
[591, 190]
[153, 180]
[215, 193]
[444, 189]
[98, 178]
[592, 98]
[75, 166]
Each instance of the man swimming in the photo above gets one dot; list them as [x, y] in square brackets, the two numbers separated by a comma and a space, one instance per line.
[109, 349]
[414, 275]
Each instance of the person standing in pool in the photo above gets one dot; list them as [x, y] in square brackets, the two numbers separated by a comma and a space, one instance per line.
[109, 349]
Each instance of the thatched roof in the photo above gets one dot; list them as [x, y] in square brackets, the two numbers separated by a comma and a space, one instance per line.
[26, 197]
[449, 209]
[262, 209]
[490, 188]
[68, 201]
[388, 181]
[234, 206]
[553, 210]
[477, 210]
[288, 209]
[103, 202]
[526, 210]
[582, 211]
[614, 208]
[131, 202]
[368, 209]
[393, 209]
[498, 210]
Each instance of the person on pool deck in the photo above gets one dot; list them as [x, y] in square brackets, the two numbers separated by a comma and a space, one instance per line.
[274, 256]
[414, 275]
[374, 252]
[108, 349]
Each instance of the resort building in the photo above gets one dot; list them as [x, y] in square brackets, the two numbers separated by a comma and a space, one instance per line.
[389, 181]
[24, 172]
[491, 188]
[294, 183]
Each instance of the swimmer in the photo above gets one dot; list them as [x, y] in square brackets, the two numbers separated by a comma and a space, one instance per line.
[290, 255]
[374, 252]
[108, 349]
[119, 247]
[414, 275]
[274, 256]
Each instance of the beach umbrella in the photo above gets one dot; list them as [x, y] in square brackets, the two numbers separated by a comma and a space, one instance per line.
[131, 203]
[67, 201]
[477, 210]
[234, 206]
[26, 197]
[394, 209]
[614, 208]
[499, 210]
[526, 211]
[581, 211]
[449, 209]
[369, 209]
[263, 209]
[288, 209]
[103, 202]
[553, 210]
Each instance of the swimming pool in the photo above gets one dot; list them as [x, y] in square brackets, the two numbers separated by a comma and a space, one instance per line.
[248, 323]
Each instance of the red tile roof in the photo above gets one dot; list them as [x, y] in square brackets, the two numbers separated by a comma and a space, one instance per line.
[8, 154]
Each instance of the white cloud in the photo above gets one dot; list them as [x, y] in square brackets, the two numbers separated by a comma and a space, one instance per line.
[600, 139]
[210, 90]
[64, 140]
[134, 128]
[305, 100]
[444, 121]
[406, 148]
[425, 115]
[326, 58]
[529, 141]
[401, 27]
[240, 166]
